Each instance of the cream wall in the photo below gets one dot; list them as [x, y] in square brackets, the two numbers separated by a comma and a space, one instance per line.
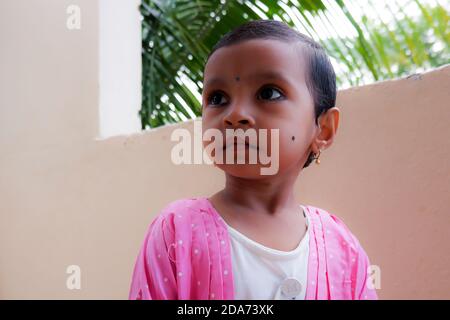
[68, 198]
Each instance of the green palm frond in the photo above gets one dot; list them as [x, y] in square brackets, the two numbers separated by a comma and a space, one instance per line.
[367, 40]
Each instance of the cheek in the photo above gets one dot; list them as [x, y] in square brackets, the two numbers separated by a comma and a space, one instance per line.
[293, 144]
[291, 150]
[210, 131]
[211, 118]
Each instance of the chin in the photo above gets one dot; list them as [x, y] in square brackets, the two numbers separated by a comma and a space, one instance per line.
[245, 171]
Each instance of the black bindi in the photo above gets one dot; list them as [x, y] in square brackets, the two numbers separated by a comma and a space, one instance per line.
[237, 78]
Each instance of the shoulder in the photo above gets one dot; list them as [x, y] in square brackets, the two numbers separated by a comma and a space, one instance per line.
[339, 242]
[184, 208]
[333, 228]
[181, 213]
[338, 238]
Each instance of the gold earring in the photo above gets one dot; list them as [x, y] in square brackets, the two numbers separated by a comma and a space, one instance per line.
[317, 158]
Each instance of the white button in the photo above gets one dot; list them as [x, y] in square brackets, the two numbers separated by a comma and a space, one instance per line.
[291, 288]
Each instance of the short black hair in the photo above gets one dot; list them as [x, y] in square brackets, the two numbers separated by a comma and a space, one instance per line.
[321, 78]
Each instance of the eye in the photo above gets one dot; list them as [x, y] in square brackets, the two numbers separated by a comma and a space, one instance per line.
[216, 98]
[270, 93]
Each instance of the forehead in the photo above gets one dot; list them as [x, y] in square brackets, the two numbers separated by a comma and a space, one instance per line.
[256, 56]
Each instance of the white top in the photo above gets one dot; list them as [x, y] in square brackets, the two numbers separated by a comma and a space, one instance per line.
[263, 273]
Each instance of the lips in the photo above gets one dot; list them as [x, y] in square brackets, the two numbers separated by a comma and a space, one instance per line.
[236, 141]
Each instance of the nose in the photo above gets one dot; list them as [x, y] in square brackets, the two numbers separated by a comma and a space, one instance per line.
[238, 117]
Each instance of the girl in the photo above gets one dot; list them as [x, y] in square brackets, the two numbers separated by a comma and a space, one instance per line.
[251, 240]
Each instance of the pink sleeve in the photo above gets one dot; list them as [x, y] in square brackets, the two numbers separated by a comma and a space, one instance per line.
[361, 281]
[154, 272]
[362, 285]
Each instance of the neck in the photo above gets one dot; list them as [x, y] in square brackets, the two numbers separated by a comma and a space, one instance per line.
[271, 195]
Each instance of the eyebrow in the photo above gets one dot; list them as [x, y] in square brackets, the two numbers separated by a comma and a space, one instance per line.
[260, 75]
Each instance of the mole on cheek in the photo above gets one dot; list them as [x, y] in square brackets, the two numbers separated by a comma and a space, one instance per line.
[293, 138]
[237, 78]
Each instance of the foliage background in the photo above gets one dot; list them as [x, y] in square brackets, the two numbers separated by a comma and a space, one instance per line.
[367, 40]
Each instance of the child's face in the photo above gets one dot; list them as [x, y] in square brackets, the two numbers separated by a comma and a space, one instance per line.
[239, 98]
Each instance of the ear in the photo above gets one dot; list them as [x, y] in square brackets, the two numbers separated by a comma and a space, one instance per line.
[326, 131]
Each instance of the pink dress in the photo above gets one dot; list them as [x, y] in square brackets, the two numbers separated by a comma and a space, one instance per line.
[186, 255]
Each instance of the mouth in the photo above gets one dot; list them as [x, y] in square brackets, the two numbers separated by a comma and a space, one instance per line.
[235, 144]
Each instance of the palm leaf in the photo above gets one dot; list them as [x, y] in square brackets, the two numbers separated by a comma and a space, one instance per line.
[178, 34]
